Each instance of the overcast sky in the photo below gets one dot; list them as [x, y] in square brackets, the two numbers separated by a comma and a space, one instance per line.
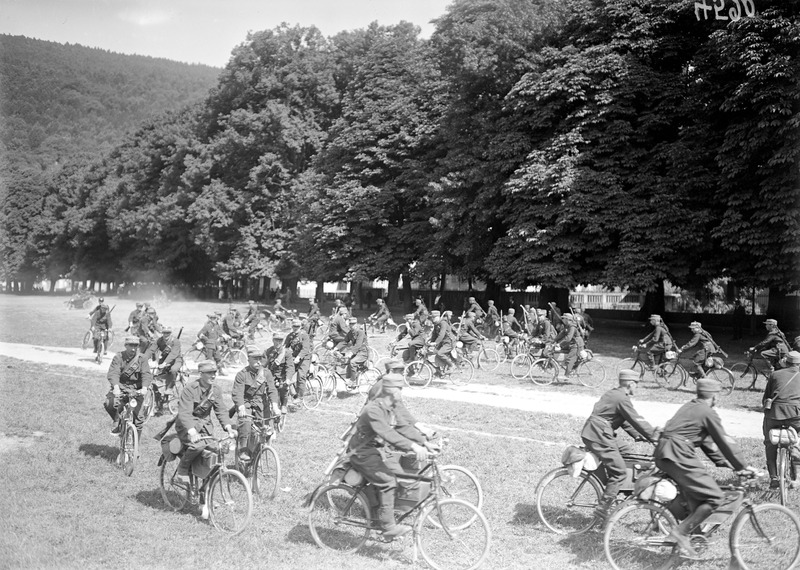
[197, 31]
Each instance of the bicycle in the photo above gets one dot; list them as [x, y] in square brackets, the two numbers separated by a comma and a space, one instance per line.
[566, 505]
[224, 494]
[105, 336]
[749, 370]
[717, 371]
[785, 438]
[263, 469]
[764, 536]
[419, 373]
[389, 326]
[330, 377]
[509, 347]
[231, 355]
[522, 363]
[158, 396]
[668, 372]
[448, 532]
[544, 371]
[128, 436]
[487, 359]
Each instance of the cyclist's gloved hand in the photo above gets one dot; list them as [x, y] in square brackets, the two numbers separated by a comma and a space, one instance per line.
[142, 391]
[116, 389]
[420, 451]
[194, 437]
[242, 410]
[276, 409]
[426, 431]
[751, 471]
[231, 432]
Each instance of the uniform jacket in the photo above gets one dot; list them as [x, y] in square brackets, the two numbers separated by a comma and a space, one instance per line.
[357, 340]
[442, 334]
[374, 429]
[340, 326]
[210, 334]
[130, 370]
[612, 411]
[476, 308]
[702, 338]
[468, 329]
[570, 335]
[775, 339]
[195, 407]
[299, 343]
[491, 313]
[169, 350]
[784, 387]
[251, 387]
[276, 362]
[660, 336]
[102, 322]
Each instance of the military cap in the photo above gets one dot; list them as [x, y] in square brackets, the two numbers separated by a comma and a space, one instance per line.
[393, 380]
[436, 314]
[101, 299]
[251, 302]
[218, 313]
[567, 317]
[297, 322]
[626, 375]
[150, 310]
[772, 322]
[166, 329]
[131, 340]
[695, 324]
[352, 320]
[207, 366]
[511, 311]
[656, 317]
[140, 304]
[211, 316]
[408, 316]
[393, 364]
[708, 386]
[254, 352]
[541, 312]
[793, 357]
[278, 336]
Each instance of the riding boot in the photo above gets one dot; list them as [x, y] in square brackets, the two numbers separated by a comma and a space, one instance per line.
[681, 532]
[386, 516]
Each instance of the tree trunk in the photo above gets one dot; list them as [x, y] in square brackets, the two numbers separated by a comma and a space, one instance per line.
[319, 294]
[783, 308]
[557, 295]
[392, 298]
[290, 285]
[408, 304]
[493, 293]
[653, 302]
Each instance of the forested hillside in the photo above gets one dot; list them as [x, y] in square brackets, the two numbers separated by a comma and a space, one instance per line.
[61, 101]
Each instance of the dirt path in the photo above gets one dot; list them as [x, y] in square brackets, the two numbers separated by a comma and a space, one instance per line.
[737, 423]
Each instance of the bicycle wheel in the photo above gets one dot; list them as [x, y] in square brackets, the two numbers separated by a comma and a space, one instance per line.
[460, 483]
[635, 537]
[544, 371]
[236, 359]
[566, 505]
[339, 518]
[148, 405]
[87, 340]
[328, 382]
[194, 356]
[488, 359]
[631, 364]
[446, 541]
[109, 340]
[417, 374]
[724, 377]
[266, 473]
[128, 448]
[230, 501]
[675, 374]
[744, 374]
[174, 493]
[784, 466]
[373, 356]
[766, 537]
[280, 423]
[521, 366]
[462, 372]
[367, 379]
[312, 395]
[591, 373]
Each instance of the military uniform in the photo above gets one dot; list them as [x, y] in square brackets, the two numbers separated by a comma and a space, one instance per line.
[571, 339]
[101, 324]
[612, 411]
[381, 315]
[416, 339]
[661, 342]
[783, 388]
[298, 345]
[338, 331]
[442, 338]
[210, 336]
[356, 339]
[129, 370]
[421, 313]
[276, 364]
[230, 326]
[696, 424]
[707, 347]
[194, 411]
[468, 334]
[476, 308]
[773, 348]
[253, 388]
[170, 358]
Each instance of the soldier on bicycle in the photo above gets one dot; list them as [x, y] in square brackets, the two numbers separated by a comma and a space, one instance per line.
[101, 324]
[697, 424]
[774, 346]
[129, 376]
[193, 421]
[421, 312]
[298, 356]
[369, 449]
[571, 340]
[612, 411]
[381, 315]
[313, 318]
[492, 319]
[339, 328]
[210, 336]
[253, 391]
[442, 340]
[356, 344]
[545, 329]
[782, 410]
[231, 324]
[276, 356]
[134, 317]
[660, 338]
[706, 347]
[469, 334]
[416, 337]
[168, 350]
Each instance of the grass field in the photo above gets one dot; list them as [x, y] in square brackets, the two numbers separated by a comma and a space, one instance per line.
[65, 504]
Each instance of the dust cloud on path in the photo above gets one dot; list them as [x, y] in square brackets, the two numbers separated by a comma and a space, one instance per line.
[737, 423]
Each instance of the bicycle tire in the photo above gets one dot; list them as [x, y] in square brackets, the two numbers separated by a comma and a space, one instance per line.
[128, 448]
[236, 359]
[784, 466]
[148, 405]
[390, 327]
[366, 379]
[724, 377]
[266, 473]
[109, 340]
[521, 366]
[591, 373]
[373, 355]
[766, 537]
[488, 359]
[744, 374]
[631, 364]
[417, 374]
[460, 483]
[327, 380]
[675, 374]
[635, 537]
[230, 501]
[280, 422]
[566, 505]
[544, 371]
[449, 544]
[312, 393]
[194, 356]
[329, 506]
[462, 372]
[174, 493]
[87, 340]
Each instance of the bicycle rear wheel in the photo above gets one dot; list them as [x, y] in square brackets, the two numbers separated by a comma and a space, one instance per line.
[462, 372]
[744, 374]
[521, 366]
[194, 356]
[175, 493]
[446, 541]
[566, 505]
[87, 340]
[128, 448]
[148, 404]
[591, 373]
[339, 518]
[488, 359]
[766, 537]
[724, 377]
[266, 473]
[366, 380]
[784, 467]
[312, 393]
[636, 538]
[373, 356]
[417, 374]
[230, 502]
[236, 359]
[544, 371]
[631, 364]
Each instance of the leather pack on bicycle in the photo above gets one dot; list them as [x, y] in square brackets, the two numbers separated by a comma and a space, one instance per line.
[204, 464]
[784, 437]
[171, 446]
[579, 459]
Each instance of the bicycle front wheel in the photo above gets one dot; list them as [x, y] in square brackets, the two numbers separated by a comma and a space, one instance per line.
[266, 473]
[174, 492]
[312, 394]
[544, 371]
[766, 537]
[744, 374]
[194, 356]
[417, 374]
[447, 541]
[340, 518]
[128, 448]
[636, 538]
[591, 373]
[230, 502]
[521, 366]
[675, 375]
[148, 405]
[87, 340]
[460, 483]
[566, 505]
[462, 372]
[631, 364]
[236, 359]
[488, 359]
[784, 467]
[367, 379]
[724, 377]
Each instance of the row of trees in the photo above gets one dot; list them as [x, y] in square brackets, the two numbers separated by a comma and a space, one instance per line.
[611, 142]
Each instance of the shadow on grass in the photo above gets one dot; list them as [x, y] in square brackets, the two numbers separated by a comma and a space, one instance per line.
[525, 515]
[153, 499]
[300, 534]
[107, 452]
